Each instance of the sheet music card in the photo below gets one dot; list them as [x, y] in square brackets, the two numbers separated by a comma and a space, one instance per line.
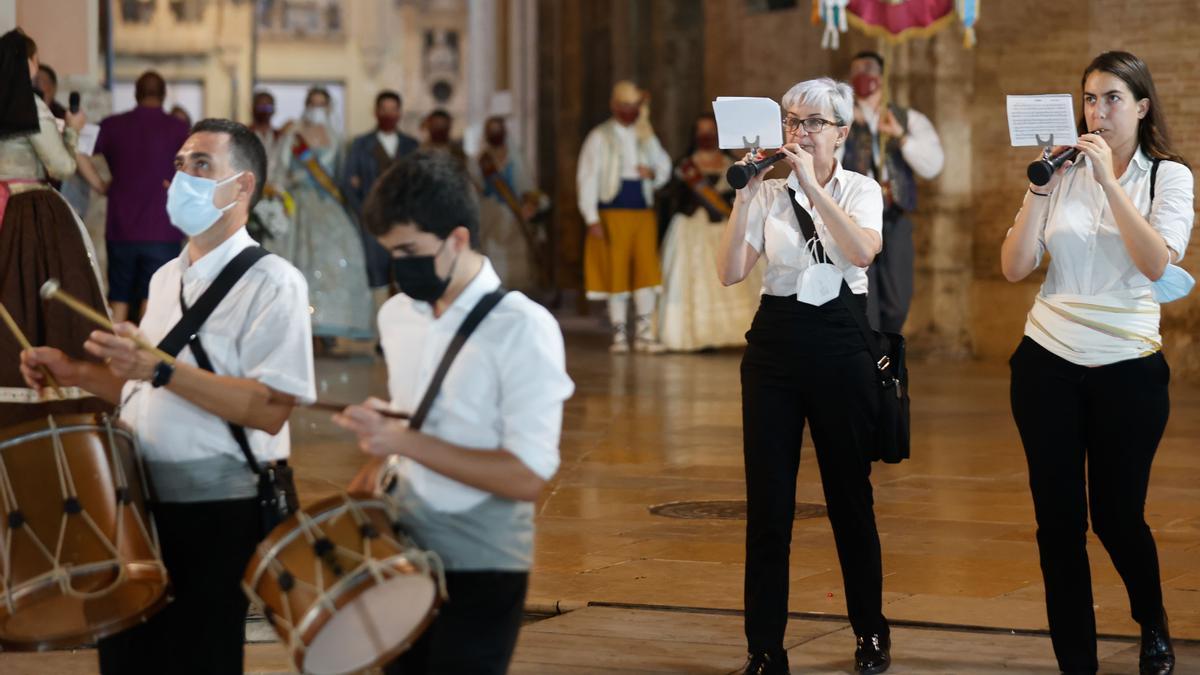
[745, 122]
[1032, 120]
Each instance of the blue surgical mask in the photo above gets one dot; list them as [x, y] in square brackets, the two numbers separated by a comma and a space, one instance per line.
[1174, 284]
[190, 202]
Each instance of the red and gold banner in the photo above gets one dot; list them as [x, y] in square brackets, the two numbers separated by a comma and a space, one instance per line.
[896, 20]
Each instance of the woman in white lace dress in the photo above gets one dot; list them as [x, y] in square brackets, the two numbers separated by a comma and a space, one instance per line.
[323, 242]
[696, 310]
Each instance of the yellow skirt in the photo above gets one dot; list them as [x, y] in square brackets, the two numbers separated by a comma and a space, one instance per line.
[627, 258]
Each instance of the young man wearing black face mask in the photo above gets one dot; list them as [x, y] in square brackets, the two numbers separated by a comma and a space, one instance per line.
[467, 479]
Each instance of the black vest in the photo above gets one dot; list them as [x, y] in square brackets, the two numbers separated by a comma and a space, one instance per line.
[900, 190]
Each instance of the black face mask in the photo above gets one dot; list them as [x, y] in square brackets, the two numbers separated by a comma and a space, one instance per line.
[417, 276]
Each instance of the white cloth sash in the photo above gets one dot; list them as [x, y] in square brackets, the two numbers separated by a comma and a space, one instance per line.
[1096, 330]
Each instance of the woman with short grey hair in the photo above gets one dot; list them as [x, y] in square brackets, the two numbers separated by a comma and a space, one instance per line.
[806, 360]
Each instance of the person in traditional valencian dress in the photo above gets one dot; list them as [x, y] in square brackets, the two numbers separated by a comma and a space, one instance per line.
[323, 242]
[40, 237]
[696, 311]
[509, 201]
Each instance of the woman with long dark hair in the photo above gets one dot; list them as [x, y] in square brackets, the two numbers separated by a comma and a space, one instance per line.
[40, 236]
[1089, 381]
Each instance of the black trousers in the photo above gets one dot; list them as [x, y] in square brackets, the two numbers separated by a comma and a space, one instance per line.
[1090, 435]
[890, 276]
[206, 547]
[476, 630]
[806, 363]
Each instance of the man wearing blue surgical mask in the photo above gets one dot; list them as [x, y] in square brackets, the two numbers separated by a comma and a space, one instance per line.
[258, 343]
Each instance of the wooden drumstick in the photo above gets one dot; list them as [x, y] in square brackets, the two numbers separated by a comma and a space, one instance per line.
[339, 407]
[16, 331]
[52, 290]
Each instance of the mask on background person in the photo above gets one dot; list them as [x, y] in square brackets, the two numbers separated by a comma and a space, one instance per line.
[706, 141]
[316, 116]
[263, 113]
[417, 276]
[627, 114]
[387, 123]
[496, 138]
[865, 84]
[190, 202]
[439, 134]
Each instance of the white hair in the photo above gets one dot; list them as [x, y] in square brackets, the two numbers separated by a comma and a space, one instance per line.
[825, 93]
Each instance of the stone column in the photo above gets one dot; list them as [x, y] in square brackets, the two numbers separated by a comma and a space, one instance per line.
[936, 77]
[481, 67]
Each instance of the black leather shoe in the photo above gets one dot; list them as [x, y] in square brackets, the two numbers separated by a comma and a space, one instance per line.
[1157, 657]
[765, 663]
[873, 654]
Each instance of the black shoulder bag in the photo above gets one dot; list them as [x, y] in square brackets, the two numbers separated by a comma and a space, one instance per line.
[276, 485]
[887, 350]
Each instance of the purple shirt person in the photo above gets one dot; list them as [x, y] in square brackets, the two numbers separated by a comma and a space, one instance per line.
[139, 147]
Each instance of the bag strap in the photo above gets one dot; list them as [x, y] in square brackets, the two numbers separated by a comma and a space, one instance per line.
[187, 330]
[809, 229]
[238, 431]
[468, 326]
[191, 321]
[1153, 177]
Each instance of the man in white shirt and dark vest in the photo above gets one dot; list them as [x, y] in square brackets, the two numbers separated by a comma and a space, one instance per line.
[893, 145]
[469, 477]
[259, 346]
[620, 166]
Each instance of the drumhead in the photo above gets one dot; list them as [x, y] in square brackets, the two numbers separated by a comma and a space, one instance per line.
[372, 626]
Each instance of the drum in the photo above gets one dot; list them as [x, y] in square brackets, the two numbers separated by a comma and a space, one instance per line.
[343, 587]
[79, 556]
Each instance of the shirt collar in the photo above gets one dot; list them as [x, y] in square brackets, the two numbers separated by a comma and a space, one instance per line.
[485, 281]
[1142, 159]
[211, 264]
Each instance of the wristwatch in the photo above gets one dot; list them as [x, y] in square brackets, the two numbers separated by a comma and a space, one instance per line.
[162, 374]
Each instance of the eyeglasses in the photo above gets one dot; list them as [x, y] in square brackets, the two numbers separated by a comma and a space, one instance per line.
[812, 125]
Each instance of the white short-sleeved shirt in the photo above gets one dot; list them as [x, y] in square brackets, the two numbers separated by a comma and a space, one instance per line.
[260, 330]
[772, 230]
[505, 390]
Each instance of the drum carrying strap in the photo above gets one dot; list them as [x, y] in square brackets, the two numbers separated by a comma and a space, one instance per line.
[187, 331]
[468, 326]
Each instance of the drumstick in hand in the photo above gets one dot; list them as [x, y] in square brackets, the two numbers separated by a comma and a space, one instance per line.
[24, 342]
[52, 290]
[339, 407]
